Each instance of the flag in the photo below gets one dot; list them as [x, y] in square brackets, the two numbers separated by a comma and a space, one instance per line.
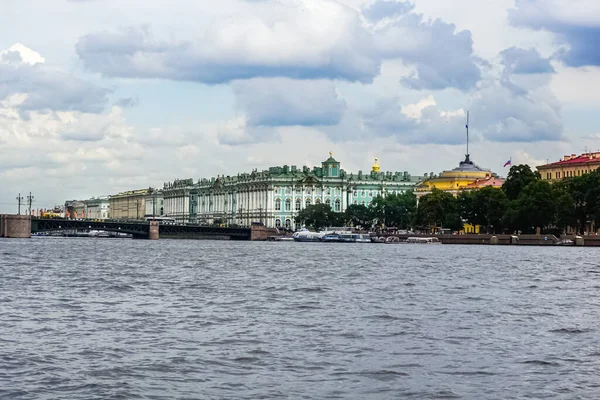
[507, 163]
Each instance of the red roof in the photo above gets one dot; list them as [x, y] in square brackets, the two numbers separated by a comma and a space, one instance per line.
[575, 159]
[491, 181]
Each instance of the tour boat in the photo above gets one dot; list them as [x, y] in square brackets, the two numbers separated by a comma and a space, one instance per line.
[305, 235]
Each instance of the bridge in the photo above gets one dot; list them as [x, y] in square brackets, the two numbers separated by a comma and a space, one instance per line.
[24, 226]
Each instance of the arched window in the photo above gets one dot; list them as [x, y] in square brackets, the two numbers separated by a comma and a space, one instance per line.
[362, 193]
[328, 202]
[278, 223]
[362, 203]
[355, 202]
[278, 205]
[298, 204]
[307, 202]
[288, 223]
[338, 205]
[288, 205]
[317, 201]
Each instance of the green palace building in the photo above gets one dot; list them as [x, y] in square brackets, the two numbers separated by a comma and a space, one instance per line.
[275, 196]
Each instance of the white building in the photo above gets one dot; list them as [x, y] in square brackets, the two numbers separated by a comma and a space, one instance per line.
[275, 196]
[154, 204]
[97, 208]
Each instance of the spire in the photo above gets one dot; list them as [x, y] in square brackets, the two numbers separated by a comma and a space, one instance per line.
[467, 160]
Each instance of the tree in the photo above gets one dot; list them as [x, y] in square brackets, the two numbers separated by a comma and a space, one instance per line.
[395, 209]
[565, 205]
[488, 207]
[438, 208]
[537, 205]
[359, 215]
[319, 216]
[518, 177]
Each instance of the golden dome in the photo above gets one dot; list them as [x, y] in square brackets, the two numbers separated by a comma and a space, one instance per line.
[375, 166]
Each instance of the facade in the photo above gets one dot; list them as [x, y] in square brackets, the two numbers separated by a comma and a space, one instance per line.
[97, 208]
[75, 209]
[275, 196]
[129, 205]
[570, 166]
[467, 176]
[154, 204]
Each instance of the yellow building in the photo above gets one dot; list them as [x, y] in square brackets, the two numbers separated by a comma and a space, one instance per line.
[467, 176]
[570, 166]
[130, 205]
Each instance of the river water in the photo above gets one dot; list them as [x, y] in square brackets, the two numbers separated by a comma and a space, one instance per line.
[126, 319]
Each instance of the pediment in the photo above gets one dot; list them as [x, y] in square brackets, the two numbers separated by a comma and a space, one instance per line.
[309, 180]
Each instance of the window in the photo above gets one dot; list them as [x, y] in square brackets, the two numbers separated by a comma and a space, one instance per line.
[328, 202]
[278, 205]
[338, 205]
[355, 202]
[277, 190]
[362, 203]
[317, 201]
[278, 223]
[355, 193]
[288, 223]
[370, 194]
[307, 202]
[298, 205]
[288, 205]
[308, 191]
[328, 191]
[362, 193]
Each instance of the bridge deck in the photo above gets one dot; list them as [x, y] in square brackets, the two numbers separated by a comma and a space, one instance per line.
[137, 229]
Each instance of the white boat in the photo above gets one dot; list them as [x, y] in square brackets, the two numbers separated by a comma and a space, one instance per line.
[423, 240]
[355, 238]
[305, 235]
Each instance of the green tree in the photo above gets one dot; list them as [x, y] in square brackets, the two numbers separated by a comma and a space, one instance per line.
[518, 177]
[565, 205]
[438, 209]
[537, 205]
[319, 216]
[395, 209]
[488, 207]
[359, 215]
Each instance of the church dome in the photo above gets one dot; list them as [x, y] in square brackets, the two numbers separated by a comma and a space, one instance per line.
[375, 166]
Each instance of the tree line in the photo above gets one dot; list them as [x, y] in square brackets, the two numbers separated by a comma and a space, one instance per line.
[524, 203]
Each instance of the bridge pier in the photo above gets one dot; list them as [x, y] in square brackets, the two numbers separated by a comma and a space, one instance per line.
[153, 231]
[15, 226]
[261, 233]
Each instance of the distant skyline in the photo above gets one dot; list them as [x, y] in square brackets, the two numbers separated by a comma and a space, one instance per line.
[101, 96]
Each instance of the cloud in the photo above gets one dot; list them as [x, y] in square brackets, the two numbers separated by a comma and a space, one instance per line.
[576, 25]
[422, 122]
[525, 61]
[45, 88]
[312, 39]
[379, 10]
[286, 102]
[505, 116]
[127, 102]
[442, 56]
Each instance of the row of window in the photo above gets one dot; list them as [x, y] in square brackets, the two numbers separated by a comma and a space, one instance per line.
[288, 204]
[567, 174]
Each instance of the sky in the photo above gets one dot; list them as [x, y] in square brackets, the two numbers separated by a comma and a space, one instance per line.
[101, 96]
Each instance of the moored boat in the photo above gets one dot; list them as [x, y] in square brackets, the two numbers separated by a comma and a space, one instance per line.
[423, 240]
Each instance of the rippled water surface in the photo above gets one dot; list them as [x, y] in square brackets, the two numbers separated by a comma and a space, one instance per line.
[112, 318]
